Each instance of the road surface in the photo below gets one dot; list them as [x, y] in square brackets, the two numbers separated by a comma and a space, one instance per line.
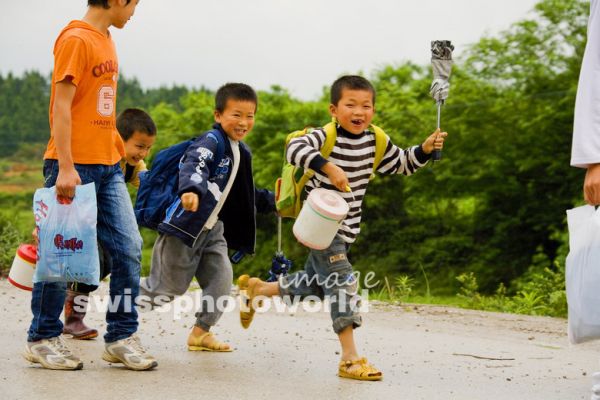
[425, 352]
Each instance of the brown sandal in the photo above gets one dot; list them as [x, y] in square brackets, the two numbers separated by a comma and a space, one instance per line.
[198, 346]
[364, 371]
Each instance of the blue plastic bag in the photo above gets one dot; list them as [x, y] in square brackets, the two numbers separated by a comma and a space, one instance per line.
[67, 248]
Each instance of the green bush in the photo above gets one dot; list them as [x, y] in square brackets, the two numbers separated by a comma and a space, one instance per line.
[538, 292]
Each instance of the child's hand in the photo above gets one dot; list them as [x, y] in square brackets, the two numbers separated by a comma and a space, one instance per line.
[336, 175]
[190, 201]
[435, 141]
[66, 181]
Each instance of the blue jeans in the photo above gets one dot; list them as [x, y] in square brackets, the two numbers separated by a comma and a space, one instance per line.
[117, 233]
[328, 274]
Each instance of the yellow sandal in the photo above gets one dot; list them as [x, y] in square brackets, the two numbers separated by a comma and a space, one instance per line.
[197, 344]
[246, 295]
[364, 371]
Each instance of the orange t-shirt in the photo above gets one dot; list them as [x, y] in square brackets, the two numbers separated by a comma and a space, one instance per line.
[89, 58]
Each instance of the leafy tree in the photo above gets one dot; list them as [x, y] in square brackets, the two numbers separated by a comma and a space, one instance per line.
[23, 110]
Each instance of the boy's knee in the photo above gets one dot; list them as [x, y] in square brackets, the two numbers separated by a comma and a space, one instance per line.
[341, 284]
[289, 285]
[218, 285]
[228, 275]
[225, 284]
[135, 246]
[124, 249]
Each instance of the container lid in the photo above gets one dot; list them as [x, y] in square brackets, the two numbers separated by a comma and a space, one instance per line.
[328, 203]
[28, 252]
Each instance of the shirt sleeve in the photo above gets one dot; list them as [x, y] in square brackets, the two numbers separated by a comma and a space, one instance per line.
[402, 161]
[195, 172]
[585, 148]
[70, 58]
[301, 151]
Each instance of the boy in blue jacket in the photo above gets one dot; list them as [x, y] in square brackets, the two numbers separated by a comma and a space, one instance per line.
[215, 210]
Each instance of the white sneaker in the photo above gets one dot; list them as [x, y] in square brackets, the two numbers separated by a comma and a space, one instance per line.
[52, 353]
[130, 352]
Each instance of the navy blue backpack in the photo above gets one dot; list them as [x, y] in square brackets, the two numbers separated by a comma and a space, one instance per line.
[158, 187]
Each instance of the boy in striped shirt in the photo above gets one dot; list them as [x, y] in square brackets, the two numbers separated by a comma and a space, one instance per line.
[328, 273]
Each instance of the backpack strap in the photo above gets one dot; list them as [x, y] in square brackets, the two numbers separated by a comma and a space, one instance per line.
[330, 137]
[380, 146]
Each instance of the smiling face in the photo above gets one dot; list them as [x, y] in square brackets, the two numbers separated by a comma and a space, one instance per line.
[354, 111]
[237, 119]
[137, 147]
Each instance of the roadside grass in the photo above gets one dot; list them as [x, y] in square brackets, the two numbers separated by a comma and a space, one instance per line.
[542, 293]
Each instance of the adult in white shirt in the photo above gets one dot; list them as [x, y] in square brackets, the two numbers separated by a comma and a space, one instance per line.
[585, 152]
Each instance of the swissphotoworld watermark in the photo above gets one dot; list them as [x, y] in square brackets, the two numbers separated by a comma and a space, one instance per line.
[344, 292]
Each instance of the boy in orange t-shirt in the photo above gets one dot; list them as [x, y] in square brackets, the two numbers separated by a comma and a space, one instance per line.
[85, 147]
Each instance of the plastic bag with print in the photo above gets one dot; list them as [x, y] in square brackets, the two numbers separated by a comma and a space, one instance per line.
[67, 248]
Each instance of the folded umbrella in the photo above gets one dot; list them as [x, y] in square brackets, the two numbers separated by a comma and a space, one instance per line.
[441, 62]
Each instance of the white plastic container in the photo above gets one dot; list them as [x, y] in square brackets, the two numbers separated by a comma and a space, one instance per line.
[320, 218]
[23, 267]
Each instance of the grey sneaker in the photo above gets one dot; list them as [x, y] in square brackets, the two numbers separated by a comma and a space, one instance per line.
[52, 353]
[130, 352]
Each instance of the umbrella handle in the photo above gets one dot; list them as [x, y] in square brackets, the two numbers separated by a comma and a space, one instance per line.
[437, 154]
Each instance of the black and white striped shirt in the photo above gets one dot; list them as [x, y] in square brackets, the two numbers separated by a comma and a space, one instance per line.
[355, 154]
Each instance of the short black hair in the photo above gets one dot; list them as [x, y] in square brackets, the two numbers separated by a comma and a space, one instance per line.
[103, 3]
[234, 91]
[135, 120]
[351, 82]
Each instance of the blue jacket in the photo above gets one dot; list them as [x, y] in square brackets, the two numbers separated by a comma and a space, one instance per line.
[238, 212]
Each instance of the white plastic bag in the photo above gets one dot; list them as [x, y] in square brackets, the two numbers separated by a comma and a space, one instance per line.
[583, 274]
[67, 248]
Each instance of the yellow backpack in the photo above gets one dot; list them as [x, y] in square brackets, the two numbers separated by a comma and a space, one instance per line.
[289, 187]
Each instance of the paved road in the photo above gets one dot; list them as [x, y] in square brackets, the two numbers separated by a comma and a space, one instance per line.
[425, 352]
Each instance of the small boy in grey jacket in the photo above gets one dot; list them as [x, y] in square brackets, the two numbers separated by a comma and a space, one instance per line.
[215, 211]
